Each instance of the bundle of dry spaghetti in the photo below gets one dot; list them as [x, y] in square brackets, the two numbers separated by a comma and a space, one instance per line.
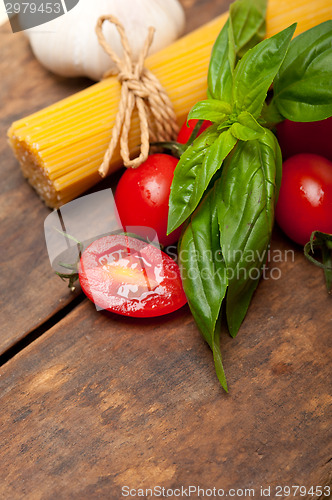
[61, 148]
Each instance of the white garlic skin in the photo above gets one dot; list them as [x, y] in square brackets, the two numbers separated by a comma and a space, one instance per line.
[68, 45]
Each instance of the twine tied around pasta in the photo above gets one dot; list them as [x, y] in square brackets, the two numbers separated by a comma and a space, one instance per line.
[140, 88]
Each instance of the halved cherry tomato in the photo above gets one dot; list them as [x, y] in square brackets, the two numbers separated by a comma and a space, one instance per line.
[305, 199]
[308, 137]
[186, 130]
[130, 277]
[142, 196]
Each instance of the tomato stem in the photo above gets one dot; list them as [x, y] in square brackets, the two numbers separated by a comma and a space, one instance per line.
[194, 134]
[72, 278]
[177, 148]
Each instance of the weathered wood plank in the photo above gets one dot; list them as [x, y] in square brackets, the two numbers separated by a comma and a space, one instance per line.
[29, 293]
[101, 401]
[199, 12]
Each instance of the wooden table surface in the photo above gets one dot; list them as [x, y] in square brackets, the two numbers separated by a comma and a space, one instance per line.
[92, 402]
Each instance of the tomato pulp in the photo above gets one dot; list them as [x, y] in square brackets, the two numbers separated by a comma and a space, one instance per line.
[305, 199]
[142, 196]
[130, 277]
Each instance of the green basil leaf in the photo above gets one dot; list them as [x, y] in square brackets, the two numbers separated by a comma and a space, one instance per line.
[271, 142]
[303, 86]
[204, 275]
[214, 157]
[210, 109]
[248, 22]
[255, 72]
[246, 128]
[222, 63]
[185, 174]
[194, 172]
[270, 115]
[244, 133]
[246, 194]
[322, 241]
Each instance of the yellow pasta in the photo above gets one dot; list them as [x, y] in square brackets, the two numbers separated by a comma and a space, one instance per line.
[61, 147]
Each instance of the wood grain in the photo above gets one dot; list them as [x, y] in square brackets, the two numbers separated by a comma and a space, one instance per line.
[199, 12]
[102, 401]
[29, 292]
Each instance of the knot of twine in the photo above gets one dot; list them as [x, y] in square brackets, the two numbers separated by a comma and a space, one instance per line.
[139, 88]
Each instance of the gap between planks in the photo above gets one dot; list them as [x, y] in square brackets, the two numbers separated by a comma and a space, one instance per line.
[37, 332]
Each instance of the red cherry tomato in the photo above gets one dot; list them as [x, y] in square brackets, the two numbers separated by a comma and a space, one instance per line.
[313, 137]
[186, 130]
[305, 199]
[142, 196]
[130, 277]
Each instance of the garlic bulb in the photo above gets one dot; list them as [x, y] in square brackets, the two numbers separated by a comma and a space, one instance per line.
[68, 45]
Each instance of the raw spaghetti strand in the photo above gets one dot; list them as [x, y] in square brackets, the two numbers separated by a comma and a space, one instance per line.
[140, 89]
